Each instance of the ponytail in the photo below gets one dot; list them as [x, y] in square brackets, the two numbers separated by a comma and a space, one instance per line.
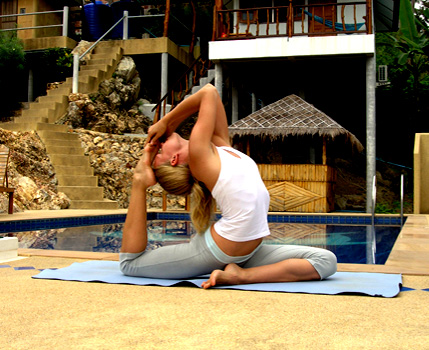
[178, 180]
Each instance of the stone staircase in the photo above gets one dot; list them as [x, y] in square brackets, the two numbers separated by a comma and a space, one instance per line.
[74, 173]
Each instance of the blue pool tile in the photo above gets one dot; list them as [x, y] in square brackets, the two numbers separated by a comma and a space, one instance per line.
[426, 289]
[24, 268]
[406, 289]
[4, 266]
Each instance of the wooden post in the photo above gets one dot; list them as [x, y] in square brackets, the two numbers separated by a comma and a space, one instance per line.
[188, 203]
[248, 146]
[164, 201]
[369, 16]
[324, 151]
[194, 20]
[167, 18]
[215, 24]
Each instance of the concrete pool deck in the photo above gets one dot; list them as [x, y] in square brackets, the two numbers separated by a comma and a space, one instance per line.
[48, 314]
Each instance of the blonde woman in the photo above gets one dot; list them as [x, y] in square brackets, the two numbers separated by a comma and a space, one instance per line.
[231, 249]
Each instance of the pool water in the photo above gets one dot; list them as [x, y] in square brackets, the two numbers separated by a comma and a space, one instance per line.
[349, 243]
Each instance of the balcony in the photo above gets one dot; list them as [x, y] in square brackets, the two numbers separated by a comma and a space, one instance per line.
[296, 19]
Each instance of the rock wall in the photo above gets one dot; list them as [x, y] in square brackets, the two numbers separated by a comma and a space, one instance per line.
[113, 158]
[31, 174]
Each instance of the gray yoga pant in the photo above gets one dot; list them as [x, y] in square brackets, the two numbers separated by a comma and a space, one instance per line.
[201, 256]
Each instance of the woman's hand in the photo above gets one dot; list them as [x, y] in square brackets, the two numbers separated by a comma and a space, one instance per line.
[143, 173]
[157, 131]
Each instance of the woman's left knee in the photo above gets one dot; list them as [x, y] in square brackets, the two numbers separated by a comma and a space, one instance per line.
[329, 262]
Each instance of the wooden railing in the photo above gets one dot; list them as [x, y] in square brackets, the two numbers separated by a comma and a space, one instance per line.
[293, 20]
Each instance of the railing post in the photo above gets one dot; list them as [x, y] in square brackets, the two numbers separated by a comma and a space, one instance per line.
[290, 20]
[65, 20]
[125, 26]
[166, 18]
[402, 199]
[75, 85]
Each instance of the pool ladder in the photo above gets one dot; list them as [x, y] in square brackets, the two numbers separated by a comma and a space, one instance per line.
[371, 236]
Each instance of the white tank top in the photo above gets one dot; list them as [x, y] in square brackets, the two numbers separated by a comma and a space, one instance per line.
[242, 198]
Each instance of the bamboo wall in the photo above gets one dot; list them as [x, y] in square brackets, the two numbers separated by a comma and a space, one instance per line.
[299, 187]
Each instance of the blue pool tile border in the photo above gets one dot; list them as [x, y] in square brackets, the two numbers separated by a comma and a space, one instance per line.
[56, 223]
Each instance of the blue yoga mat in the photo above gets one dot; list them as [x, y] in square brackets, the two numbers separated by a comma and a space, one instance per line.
[372, 284]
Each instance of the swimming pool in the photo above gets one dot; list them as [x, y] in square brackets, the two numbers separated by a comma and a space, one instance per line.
[346, 236]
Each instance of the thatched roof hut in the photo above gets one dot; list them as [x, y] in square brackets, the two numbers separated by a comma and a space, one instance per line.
[291, 116]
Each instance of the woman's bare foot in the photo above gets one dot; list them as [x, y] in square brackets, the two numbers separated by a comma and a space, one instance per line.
[232, 274]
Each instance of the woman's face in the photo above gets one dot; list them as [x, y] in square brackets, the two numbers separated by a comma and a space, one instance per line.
[167, 150]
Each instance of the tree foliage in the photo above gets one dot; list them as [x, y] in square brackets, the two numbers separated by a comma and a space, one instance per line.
[402, 106]
[12, 66]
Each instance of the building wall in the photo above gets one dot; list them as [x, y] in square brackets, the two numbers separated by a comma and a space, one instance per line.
[292, 47]
[26, 21]
[32, 6]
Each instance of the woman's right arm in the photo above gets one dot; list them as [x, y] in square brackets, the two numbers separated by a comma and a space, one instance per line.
[134, 238]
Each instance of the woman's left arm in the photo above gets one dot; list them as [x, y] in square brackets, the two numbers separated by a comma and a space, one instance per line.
[210, 128]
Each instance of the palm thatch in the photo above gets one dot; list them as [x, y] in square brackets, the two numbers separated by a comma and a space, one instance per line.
[290, 116]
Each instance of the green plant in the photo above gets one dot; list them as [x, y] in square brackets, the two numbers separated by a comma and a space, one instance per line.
[58, 63]
[382, 208]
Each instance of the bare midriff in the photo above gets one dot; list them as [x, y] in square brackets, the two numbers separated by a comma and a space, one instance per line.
[234, 248]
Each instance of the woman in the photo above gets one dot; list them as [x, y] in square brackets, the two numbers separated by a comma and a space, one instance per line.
[231, 249]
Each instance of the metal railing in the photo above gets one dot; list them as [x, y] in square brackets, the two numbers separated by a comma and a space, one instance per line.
[293, 20]
[64, 25]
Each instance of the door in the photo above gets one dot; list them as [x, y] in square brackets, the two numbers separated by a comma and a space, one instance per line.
[321, 18]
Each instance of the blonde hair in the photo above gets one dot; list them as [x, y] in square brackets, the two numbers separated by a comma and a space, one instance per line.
[178, 180]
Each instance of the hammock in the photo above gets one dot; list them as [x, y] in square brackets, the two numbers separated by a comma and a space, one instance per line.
[338, 26]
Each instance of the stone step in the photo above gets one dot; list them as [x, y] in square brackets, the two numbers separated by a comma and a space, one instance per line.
[69, 159]
[77, 180]
[30, 126]
[99, 61]
[30, 120]
[40, 105]
[82, 192]
[59, 98]
[86, 84]
[102, 67]
[55, 135]
[67, 150]
[65, 89]
[67, 170]
[59, 128]
[18, 127]
[50, 114]
[104, 204]
[63, 143]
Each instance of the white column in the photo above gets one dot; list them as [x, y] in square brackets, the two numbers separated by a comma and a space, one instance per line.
[30, 93]
[234, 116]
[254, 103]
[370, 130]
[164, 78]
[219, 78]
